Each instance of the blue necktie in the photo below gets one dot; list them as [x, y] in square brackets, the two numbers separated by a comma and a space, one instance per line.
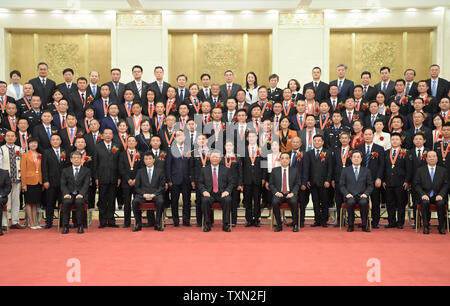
[131, 154]
[117, 89]
[149, 176]
[71, 133]
[393, 153]
[432, 179]
[356, 174]
[76, 173]
[433, 88]
[301, 120]
[340, 86]
[294, 157]
[309, 139]
[49, 133]
[384, 88]
[373, 119]
[367, 159]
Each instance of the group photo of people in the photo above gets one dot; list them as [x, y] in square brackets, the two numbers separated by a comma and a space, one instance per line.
[342, 148]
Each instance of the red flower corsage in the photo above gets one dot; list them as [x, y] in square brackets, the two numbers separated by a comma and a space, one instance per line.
[258, 153]
[162, 156]
[219, 104]
[114, 149]
[1, 137]
[424, 155]
[209, 119]
[233, 158]
[269, 105]
[39, 157]
[427, 101]
[63, 156]
[137, 156]
[403, 153]
[174, 107]
[223, 126]
[80, 134]
[89, 99]
[374, 155]
[17, 153]
[381, 138]
[364, 107]
[404, 100]
[328, 123]
[234, 119]
[317, 110]
[99, 138]
[289, 136]
[340, 105]
[388, 111]
[355, 117]
[299, 155]
[323, 155]
[87, 158]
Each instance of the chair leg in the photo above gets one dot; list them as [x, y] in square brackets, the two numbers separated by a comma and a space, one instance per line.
[231, 221]
[88, 216]
[59, 218]
[448, 229]
[417, 220]
[7, 221]
[271, 218]
[203, 222]
[340, 221]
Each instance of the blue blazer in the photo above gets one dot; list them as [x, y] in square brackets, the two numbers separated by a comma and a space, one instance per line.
[107, 122]
[178, 169]
[346, 89]
[98, 105]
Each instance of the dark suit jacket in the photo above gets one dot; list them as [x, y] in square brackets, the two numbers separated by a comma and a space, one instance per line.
[428, 136]
[142, 99]
[349, 185]
[156, 187]
[337, 164]
[302, 135]
[277, 95]
[76, 105]
[80, 185]
[185, 96]
[376, 165]
[105, 164]
[322, 92]
[98, 106]
[441, 162]
[125, 167]
[276, 180]
[65, 133]
[316, 171]
[90, 143]
[332, 136]
[368, 120]
[224, 178]
[416, 163]
[177, 167]
[160, 96]
[52, 167]
[413, 90]
[90, 93]
[107, 122]
[5, 183]
[345, 122]
[423, 184]
[32, 117]
[224, 91]
[113, 96]
[401, 173]
[390, 89]
[45, 92]
[441, 90]
[346, 89]
[201, 94]
[130, 123]
[371, 93]
[66, 92]
[40, 134]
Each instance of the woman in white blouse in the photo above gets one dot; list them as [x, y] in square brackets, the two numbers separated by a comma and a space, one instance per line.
[15, 90]
[251, 88]
[438, 122]
[381, 138]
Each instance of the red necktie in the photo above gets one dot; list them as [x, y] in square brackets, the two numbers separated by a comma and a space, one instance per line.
[349, 117]
[215, 184]
[284, 182]
[229, 90]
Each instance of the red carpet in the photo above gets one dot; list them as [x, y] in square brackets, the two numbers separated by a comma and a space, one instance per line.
[246, 256]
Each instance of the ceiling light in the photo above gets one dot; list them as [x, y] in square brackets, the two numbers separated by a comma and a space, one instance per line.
[84, 12]
[57, 12]
[355, 11]
[383, 10]
[300, 11]
[246, 12]
[329, 11]
[272, 11]
[192, 12]
[3, 10]
[29, 11]
[220, 12]
[439, 8]
[110, 12]
[411, 10]
[138, 12]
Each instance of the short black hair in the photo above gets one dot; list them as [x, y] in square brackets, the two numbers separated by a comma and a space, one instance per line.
[158, 67]
[366, 72]
[384, 68]
[137, 66]
[274, 76]
[149, 153]
[68, 70]
[82, 79]
[205, 74]
[401, 81]
[15, 72]
[116, 69]
[318, 135]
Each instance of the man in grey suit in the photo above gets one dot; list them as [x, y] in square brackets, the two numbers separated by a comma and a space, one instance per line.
[356, 186]
[229, 89]
[386, 85]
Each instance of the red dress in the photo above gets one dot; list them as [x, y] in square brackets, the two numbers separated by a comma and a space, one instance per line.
[357, 140]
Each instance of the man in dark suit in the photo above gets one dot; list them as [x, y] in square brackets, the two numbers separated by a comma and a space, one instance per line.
[205, 92]
[386, 85]
[74, 187]
[159, 86]
[116, 88]
[356, 186]
[431, 184]
[178, 178]
[42, 85]
[373, 116]
[69, 134]
[54, 160]
[182, 93]
[332, 133]
[216, 184]
[317, 173]
[296, 160]
[437, 87]
[60, 118]
[138, 86]
[399, 96]
[320, 88]
[111, 121]
[5, 189]
[442, 148]
[274, 93]
[34, 115]
[369, 92]
[419, 127]
[374, 160]
[284, 184]
[42, 132]
[411, 86]
[344, 85]
[93, 89]
[106, 178]
[397, 178]
[79, 99]
[68, 87]
[101, 104]
[229, 89]
[350, 114]
[149, 187]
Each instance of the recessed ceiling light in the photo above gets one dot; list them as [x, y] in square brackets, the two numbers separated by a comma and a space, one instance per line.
[355, 11]
[411, 10]
[84, 12]
[138, 12]
[29, 11]
[247, 12]
[300, 11]
[57, 12]
[272, 11]
[220, 12]
[192, 12]
[3, 10]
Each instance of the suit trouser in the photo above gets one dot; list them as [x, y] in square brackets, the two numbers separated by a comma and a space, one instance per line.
[67, 207]
[252, 197]
[396, 203]
[375, 197]
[106, 203]
[3, 201]
[363, 207]
[91, 194]
[236, 199]
[276, 202]
[224, 202]
[338, 199]
[13, 204]
[53, 196]
[198, 206]
[138, 200]
[185, 190]
[320, 201]
[303, 199]
[426, 214]
[127, 192]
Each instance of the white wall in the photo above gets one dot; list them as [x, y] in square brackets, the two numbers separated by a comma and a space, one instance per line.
[296, 48]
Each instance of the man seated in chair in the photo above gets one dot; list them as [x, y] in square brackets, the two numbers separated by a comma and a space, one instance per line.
[149, 187]
[356, 186]
[431, 185]
[284, 184]
[74, 188]
[216, 184]
[5, 189]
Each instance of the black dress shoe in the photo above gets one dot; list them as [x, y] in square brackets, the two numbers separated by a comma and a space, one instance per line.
[289, 223]
[80, 229]
[159, 228]
[375, 226]
[315, 224]
[278, 228]
[226, 228]
[426, 230]
[295, 229]
[113, 225]
[137, 228]
[102, 226]
[350, 229]
[256, 223]
[176, 224]
[71, 225]
[302, 224]
[442, 231]
[206, 229]
[248, 224]
[324, 225]
[48, 226]
[366, 229]
[390, 226]
[400, 226]
[186, 224]
[65, 230]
